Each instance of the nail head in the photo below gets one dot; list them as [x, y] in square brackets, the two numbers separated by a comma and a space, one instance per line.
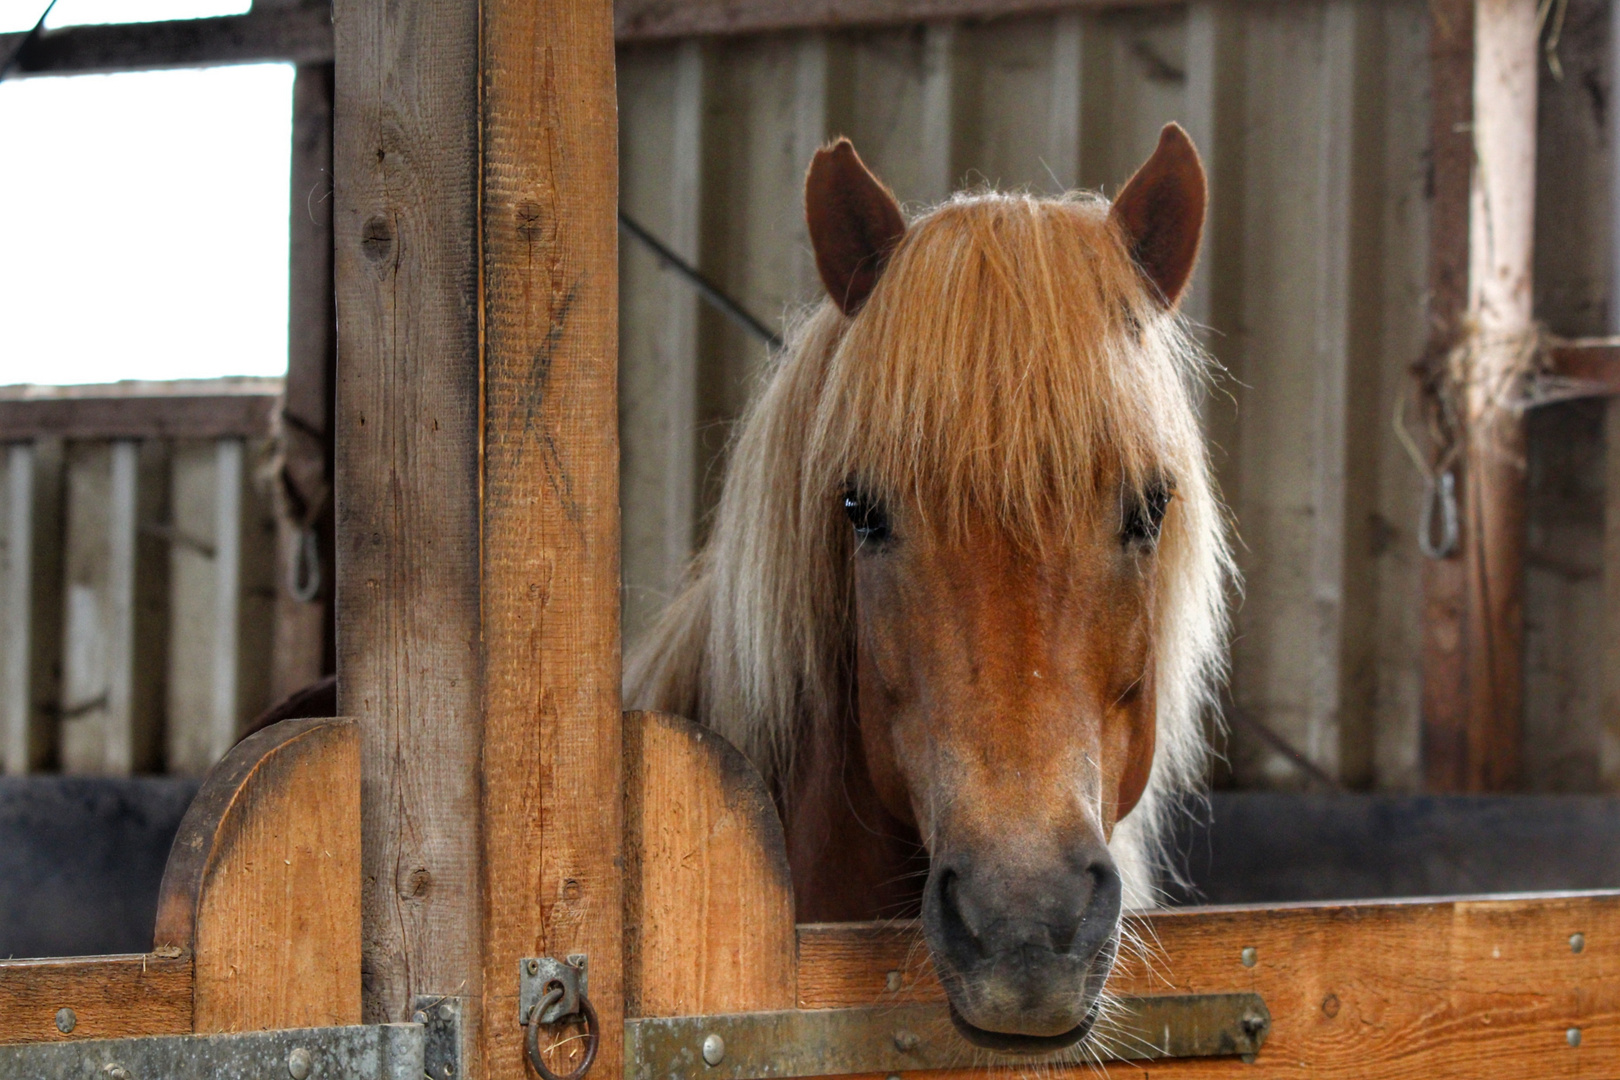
[714, 1049]
[1577, 943]
[298, 1063]
[1249, 956]
[1573, 1036]
[66, 1020]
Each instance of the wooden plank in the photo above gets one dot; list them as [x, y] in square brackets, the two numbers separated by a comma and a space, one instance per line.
[33, 605]
[551, 809]
[405, 167]
[1288, 378]
[910, 140]
[191, 742]
[1459, 988]
[304, 645]
[200, 408]
[1485, 56]
[708, 894]
[114, 633]
[220, 578]
[661, 110]
[297, 33]
[262, 888]
[110, 996]
[643, 20]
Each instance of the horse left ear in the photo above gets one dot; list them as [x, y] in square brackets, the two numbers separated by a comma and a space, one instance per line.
[854, 223]
[1161, 213]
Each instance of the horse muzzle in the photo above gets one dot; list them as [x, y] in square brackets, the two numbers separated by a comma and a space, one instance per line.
[1023, 956]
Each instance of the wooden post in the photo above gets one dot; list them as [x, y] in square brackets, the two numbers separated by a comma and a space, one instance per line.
[1483, 56]
[304, 647]
[477, 510]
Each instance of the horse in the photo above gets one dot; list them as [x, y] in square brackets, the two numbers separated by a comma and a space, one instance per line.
[963, 597]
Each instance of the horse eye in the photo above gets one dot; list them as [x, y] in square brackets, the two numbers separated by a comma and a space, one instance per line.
[871, 521]
[1144, 517]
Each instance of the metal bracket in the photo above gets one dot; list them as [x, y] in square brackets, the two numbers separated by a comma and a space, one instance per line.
[536, 973]
[360, 1052]
[901, 1038]
[443, 1051]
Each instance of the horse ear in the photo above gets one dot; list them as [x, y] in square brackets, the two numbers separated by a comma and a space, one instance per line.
[1161, 213]
[854, 223]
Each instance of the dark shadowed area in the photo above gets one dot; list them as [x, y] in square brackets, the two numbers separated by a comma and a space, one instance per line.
[81, 859]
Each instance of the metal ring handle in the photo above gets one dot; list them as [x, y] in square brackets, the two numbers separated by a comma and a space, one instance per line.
[531, 1042]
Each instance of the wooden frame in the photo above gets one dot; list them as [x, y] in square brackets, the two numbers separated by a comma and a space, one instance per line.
[279, 817]
[488, 805]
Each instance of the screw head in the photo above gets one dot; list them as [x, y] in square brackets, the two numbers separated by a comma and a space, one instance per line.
[1577, 943]
[446, 1013]
[299, 1063]
[891, 982]
[66, 1020]
[1573, 1036]
[115, 1071]
[1249, 956]
[419, 1017]
[534, 967]
[714, 1049]
[905, 1041]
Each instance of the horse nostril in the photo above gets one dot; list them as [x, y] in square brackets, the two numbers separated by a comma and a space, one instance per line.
[1095, 912]
[953, 926]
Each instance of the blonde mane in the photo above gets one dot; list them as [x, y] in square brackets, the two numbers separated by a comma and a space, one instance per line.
[1010, 361]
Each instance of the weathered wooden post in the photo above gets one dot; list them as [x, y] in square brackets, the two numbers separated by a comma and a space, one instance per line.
[477, 512]
[1483, 55]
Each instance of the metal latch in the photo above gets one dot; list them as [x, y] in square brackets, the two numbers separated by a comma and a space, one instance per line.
[550, 992]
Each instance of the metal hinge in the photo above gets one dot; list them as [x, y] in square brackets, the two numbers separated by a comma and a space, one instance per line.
[900, 1038]
[359, 1052]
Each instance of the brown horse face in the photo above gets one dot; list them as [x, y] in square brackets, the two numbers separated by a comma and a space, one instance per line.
[1005, 691]
[1006, 707]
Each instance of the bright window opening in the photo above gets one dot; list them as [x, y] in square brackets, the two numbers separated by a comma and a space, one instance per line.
[144, 219]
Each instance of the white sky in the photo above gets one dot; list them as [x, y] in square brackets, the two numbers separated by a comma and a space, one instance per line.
[143, 217]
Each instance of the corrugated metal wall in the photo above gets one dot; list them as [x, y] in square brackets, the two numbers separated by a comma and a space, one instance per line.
[1313, 120]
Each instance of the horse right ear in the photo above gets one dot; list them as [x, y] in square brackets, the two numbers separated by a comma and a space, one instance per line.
[854, 224]
[1161, 214]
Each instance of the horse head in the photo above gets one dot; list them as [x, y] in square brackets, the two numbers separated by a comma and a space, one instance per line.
[1007, 584]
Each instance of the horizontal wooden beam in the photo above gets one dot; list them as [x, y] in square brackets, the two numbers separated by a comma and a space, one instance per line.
[1590, 367]
[303, 34]
[651, 20]
[106, 997]
[195, 409]
[300, 34]
[1482, 987]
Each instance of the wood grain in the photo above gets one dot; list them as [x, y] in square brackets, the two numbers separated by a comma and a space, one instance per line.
[1455, 988]
[1484, 61]
[304, 647]
[552, 767]
[300, 33]
[32, 636]
[182, 412]
[111, 997]
[708, 895]
[405, 227]
[262, 887]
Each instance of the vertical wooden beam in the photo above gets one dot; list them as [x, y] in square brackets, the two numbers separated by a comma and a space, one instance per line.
[114, 629]
[552, 765]
[477, 500]
[32, 626]
[405, 166]
[661, 110]
[225, 704]
[1064, 112]
[1483, 57]
[304, 646]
